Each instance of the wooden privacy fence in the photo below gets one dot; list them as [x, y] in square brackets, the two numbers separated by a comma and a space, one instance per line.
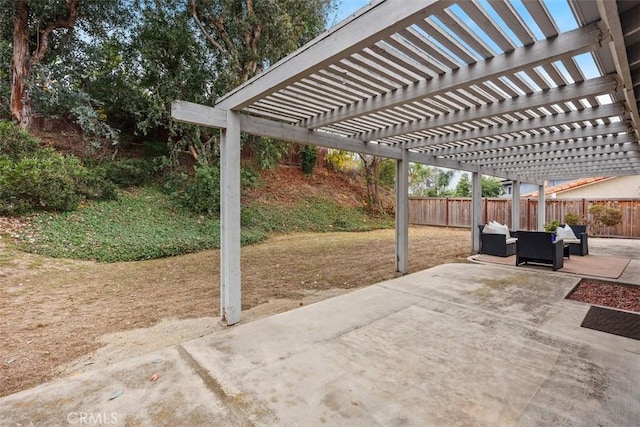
[456, 212]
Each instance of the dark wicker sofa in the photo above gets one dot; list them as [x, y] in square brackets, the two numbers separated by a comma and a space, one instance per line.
[496, 244]
[538, 247]
[581, 245]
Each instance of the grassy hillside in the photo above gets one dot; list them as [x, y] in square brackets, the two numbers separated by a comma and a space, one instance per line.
[143, 223]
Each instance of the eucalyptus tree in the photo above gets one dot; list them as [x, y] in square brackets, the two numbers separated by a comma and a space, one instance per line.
[246, 36]
[168, 61]
[42, 30]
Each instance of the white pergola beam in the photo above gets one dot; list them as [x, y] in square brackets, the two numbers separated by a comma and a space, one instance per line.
[574, 174]
[609, 143]
[564, 155]
[564, 45]
[545, 98]
[592, 167]
[288, 132]
[602, 145]
[197, 114]
[527, 143]
[453, 164]
[623, 158]
[374, 22]
[609, 110]
[609, 13]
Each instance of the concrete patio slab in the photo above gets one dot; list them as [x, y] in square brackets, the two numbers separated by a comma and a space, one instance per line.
[458, 344]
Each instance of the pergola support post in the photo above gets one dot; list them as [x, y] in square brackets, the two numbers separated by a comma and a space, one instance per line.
[541, 208]
[515, 205]
[230, 220]
[402, 214]
[476, 210]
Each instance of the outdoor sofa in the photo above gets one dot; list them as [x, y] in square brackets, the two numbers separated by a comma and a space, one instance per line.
[579, 242]
[539, 247]
[497, 243]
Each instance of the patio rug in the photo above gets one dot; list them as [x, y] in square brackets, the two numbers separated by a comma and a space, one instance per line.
[613, 322]
[589, 265]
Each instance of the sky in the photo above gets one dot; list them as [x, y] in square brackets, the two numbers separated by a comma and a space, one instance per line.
[346, 8]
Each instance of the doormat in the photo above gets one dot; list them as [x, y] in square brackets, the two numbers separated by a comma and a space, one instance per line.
[613, 322]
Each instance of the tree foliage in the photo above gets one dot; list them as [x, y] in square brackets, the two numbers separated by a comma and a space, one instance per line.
[387, 174]
[308, 158]
[118, 64]
[605, 216]
[491, 187]
[429, 181]
[246, 36]
[44, 34]
[463, 188]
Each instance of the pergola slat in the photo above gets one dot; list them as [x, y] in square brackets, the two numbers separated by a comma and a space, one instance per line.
[513, 21]
[569, 153]
[557, 146]
[366, 29]
[486, 22]
[539, 13]
[537, 99]
[520, 145]
[456, 25]
[565, 45]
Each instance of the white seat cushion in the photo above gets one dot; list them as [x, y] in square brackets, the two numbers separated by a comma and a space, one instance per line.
[571, 240]
[511, 240]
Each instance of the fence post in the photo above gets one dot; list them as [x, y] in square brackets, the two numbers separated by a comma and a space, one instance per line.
[446, 221]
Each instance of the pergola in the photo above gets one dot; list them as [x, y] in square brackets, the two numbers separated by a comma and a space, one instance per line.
[489, 87]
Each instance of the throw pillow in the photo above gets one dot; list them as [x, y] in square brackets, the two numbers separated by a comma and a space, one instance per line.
[496, 228]
[565, 233]
[504, 228]
[490, 229]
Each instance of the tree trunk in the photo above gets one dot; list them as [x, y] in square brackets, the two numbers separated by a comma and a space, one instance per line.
[371, 164]
[23, 59]
[20, 101]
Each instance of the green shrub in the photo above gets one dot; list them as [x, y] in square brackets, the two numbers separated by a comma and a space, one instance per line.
[572, 219]
[308, 158]
[605, 216]
[128, 172]
[92, 183]
[199, 192]
[16, 142]
[552, 226]
[153, 149]
[46, 180]
[43, 183]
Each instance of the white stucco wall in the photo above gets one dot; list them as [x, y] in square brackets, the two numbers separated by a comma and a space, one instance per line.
[618, 187]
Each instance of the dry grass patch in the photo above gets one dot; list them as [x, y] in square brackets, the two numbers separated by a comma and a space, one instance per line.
[54, 311]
